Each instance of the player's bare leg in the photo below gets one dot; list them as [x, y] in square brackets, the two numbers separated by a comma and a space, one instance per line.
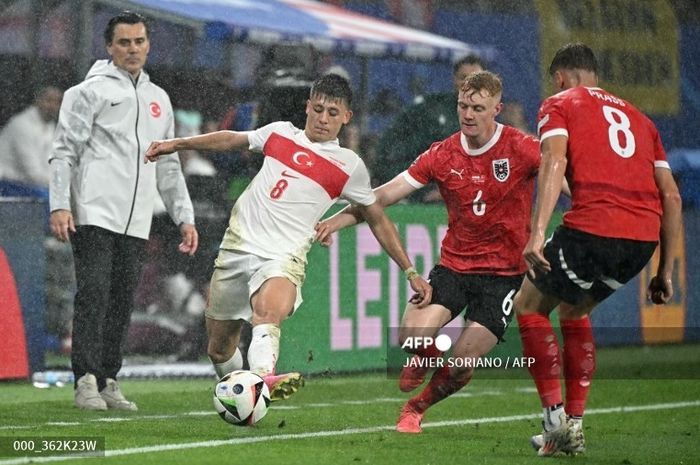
[420, 322]
[222, 346]
[271, 304]
[474, 342]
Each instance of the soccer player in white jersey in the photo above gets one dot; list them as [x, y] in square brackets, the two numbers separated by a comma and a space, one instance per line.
[261, 264]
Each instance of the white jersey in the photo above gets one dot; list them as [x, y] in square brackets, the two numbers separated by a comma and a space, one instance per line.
[298, 182]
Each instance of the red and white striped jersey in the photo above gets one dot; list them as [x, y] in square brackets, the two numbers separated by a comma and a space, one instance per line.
[298, 182]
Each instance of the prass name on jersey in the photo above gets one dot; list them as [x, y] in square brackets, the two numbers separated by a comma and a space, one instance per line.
[605, 97]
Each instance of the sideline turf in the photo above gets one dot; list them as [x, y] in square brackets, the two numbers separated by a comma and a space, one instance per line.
[179, 412]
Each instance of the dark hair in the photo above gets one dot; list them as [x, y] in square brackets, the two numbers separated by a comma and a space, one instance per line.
[43, 91]
[473, 60]
[125, 17]
[574, 56]
[332, 86]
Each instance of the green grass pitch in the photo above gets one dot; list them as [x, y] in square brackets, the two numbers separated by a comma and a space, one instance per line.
[643, 409]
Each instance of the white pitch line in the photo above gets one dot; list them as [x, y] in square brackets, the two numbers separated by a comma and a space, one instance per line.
[343, 432]
[526, 389]
[276, 407]
[491, 392]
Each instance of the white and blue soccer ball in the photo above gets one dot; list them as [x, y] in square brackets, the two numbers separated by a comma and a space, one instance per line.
[241, 398]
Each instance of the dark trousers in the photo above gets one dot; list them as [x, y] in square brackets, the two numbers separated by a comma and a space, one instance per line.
[107, 271]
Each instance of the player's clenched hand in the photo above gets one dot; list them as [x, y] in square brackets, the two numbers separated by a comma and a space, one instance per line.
[190, 239]
[534, 256]
[660, 290]
[424, 291]
[324, 232]
[62, 224]
[158, 148]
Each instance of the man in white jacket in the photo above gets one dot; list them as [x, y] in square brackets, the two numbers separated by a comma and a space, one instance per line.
[25, 141]
[102, 197]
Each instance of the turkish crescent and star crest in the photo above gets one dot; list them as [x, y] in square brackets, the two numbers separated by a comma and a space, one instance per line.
[302, 159]
[155, 109]
[501, 169]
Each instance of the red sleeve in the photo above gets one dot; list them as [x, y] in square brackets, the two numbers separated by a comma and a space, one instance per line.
[530, 148]
[659, 151]
[421, 170]
[552, 118]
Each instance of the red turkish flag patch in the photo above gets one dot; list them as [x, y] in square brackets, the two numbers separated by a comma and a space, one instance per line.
[155, 109]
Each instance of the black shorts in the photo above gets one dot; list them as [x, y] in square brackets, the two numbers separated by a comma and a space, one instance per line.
[488, 299]
[588, 265]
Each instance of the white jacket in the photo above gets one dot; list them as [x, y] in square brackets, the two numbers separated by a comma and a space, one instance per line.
[25, 143]
[105, 125]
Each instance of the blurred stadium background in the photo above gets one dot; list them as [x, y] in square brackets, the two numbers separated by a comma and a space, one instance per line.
[237, 64]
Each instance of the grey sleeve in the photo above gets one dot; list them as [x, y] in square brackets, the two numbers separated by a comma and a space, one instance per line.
[74, 127]
[59, 185]
[171, 184]
[73, 131]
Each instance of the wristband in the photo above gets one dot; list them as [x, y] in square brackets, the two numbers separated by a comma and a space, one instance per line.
[411, 273]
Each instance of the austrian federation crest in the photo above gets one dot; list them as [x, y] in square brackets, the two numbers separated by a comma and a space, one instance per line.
[501, 169]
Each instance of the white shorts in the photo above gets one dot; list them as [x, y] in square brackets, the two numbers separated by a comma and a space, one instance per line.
[238, 275]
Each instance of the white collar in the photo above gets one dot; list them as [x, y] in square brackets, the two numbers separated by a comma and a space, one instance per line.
[475, 152]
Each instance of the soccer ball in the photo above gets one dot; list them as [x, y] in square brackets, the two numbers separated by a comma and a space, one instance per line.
[241, 398]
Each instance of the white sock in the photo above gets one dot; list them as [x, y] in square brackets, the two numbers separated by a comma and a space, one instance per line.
[552, 417]
[232, 364]
[577, 422]
[264, 349]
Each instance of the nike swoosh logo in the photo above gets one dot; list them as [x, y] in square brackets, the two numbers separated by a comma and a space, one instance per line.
[114, 104]
[287, 174]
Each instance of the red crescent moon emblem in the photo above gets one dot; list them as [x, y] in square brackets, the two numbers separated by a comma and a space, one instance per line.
[155, 109]
[302, 159]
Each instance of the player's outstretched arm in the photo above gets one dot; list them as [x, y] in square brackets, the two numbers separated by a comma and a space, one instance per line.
[348, 216]
[549, 185]
[565, 189]
[385, 232]
[215, 141]
[387, 194]
[660, 288]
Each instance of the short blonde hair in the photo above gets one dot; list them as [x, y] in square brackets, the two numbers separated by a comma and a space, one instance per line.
[482, 80]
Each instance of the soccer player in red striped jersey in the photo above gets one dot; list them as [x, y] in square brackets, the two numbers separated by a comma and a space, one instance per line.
[486, 175]
[624, 203]
[262, 259]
